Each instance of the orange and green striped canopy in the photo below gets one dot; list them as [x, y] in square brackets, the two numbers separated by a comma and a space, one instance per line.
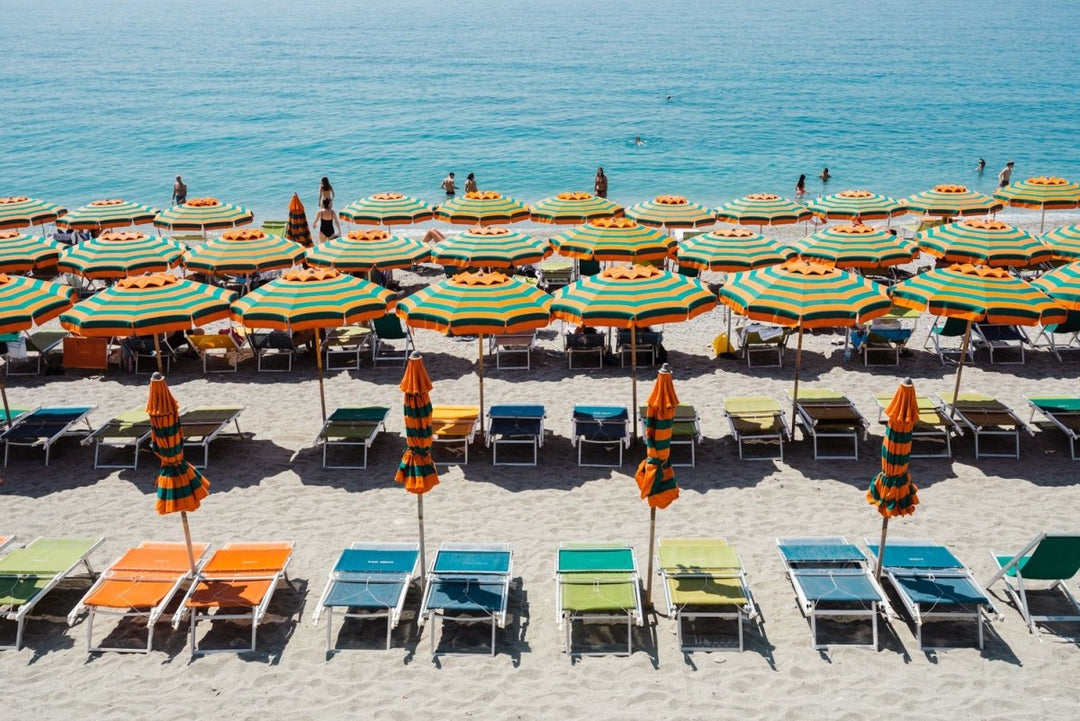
[892, 490]
[490, 247]
[1062, 284]
[148, 304]
[242, 252]
[477, 304]
[119, 254]
[1064, 242]
[948, 200]
[303, 299]
[482, 207]
[805, 293]
[983, 241]
[26, 301]
[180, 486]
[655, 476]
[417, 470]
[387, 209]
[297, 229]
[573, 209]
[632, 297]
[856, 246]
[856, 205]
[671, 211]
[19, 211]
[762, 209]
[109, 213]
[1043, 192]
[978, 293]
[615, 239]
[20, 253]
[361, 251]
[203, 214]
[730, 250]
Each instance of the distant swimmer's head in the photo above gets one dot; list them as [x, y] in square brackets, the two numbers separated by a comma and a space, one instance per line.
[470, 176]
[669, 98]
[638, 140]
[179, 179]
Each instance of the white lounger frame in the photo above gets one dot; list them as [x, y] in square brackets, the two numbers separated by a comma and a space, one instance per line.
[632, 616]
[1018, 593]
[47, 443]
[205, 441]
[326, 443]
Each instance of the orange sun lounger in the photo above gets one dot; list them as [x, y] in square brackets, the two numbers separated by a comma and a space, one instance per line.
[139, 584]
[453, 425]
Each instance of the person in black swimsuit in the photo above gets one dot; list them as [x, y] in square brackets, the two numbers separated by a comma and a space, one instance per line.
[326, 221]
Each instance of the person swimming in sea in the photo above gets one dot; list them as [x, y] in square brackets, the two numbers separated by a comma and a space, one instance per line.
[981, 166]
[825, 177]
[638, 141]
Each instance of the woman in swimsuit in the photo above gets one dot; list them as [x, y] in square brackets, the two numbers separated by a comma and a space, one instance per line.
[470, 183]
[600, 184]
[800, 187]
[326, 191]
[326, 221]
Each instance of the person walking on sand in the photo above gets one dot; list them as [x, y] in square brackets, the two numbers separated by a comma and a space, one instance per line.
[470, 183]
[800, 187]
[179, 191]
[600, 184]
[449, 185]
[326, 191]
[326, 222]
[1005, 175]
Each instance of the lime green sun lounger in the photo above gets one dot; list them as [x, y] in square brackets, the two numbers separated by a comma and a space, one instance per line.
[1049, 557]
[756, 419]
[597, 583]
[129, 429]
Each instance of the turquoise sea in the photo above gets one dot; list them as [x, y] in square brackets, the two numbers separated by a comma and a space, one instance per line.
[251, 100]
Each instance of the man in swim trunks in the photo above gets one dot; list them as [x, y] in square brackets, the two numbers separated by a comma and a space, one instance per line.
[1005, 175]
[448, 184]
[179, 191]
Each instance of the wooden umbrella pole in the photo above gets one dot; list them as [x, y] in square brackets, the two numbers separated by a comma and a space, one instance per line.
[652, 542]
[318, 364]
[7, 408]
[881, 546]
[480, 365]
[795, 392]
[960, 368]
[157, 353]
[633, 376]
[423, 560]
[187, 540]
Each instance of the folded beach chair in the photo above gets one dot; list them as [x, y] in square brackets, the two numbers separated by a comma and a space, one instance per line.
[515, 425]
[1060, 337]
[934, 425]
[553, 274]
[38, 346]
[1053, 557]
[584, 344]
[369, 580]
[754, 420]
[468, 583]
[139, 584]
[352, 427]
[1059, 412]
[129, 429]
[946, 336]
[203, 424]
[270, 344]
[987, 416]
[141, 348]
[1002, 339]
[217, 345]
[454, 425]
[685, 430]
[597, 582]
[384, 330]
[825, 413]
[704, 578]
[343, 346]
[606, 426]
[831, 579]
[238, 581]
[933, 585]
[512, 345]
[27, 574]
[648, 346]
[45, 426]
[763, 339]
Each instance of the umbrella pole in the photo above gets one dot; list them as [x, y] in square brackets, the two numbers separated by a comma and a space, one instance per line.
[187, 540]
[1042, 220]
[881, 546]
[423, 561]
[652, 542]
[7, 408]
[480, 366]
[633, 376]
[960, 368]
[157, 353]
[318, 364]
[795, 393]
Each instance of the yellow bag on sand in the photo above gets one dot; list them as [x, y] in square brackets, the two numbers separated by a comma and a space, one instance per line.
[721, 345]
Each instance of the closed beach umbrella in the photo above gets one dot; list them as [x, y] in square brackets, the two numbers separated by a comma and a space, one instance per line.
[1041, 193]
[362, 251]
[490, 247]
[1064, 242]
[615, 240]
[110, 213]
[297, 229]
[857, 205]
[671, 211]
[983, 241]
[1062, 284]
[203, 214]
[180, 486]
[573, 209]
[23, 253]
[243, 252]
[655, 476]
[762, 209]
[856, 246]
[417, 469]
[19, 211]
[387, 209]
[482, 207]
[949, 200]
[891, 490]
[119, 254]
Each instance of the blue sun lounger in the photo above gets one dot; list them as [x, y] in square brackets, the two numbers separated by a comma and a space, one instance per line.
[515, 425]
[831, 579]
[468, 583]
[44, 427]
[369, 580]
[600, 425]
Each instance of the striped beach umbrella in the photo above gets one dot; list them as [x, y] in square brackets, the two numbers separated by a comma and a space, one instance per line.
[23, 253]
[362, 251]
[891, 490]
[671, 211]
[983, 241]
[417, 469]
[243, 252]
[19, 211]
[858, 205]
[203, 214]
[573, 209]
[490, 247]
[1064, 242]
[119, 254]
[948, 200]
[1041, 193]
[655, 476]
[615, 240]
[856, 246]
[762, 209]
[387, 209]
[482, 207]
[180, 486]
[297, 229]
[1062, 284]
[110, 213]
[730, 250]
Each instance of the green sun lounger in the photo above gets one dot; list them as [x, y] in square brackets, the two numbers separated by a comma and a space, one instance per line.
[823, 413]
[129, 429]
[1059, 412]
[933, 427]
[756, 419]
[685, 430]
[352, 427]
[597, 583]
[986, 416]
[203, 424]
[1053, 557]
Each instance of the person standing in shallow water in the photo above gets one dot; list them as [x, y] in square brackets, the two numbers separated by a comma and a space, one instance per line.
[600, 184]
[825, 176]
[800, 187]
[179, 191]
[981, 166]
[470, 183]
[326, 191]
[326, 222]
[449, 185]
[1005, 175]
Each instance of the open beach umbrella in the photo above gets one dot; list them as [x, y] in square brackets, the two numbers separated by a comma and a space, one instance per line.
[312, 299]
[1041, 193]
[983, 241]
[417, 470]
[1064, 242]
[297, 229]
[387, 209]
[655, 476]
[362, 251]
[856, 246]
[482, 207]
[22, 253]
[762, 209]
[203, 214]
[109, 213]
[477, 304]
[731, 250]
[573, 209]
[633, 297]
[856, 205]
[119, 254]
[671, 211]
[490, 247]
[180, 486]
[1062, 284]
[243, 252]
[616, 240]
[948, 200]
[19, 211]
[891, 490]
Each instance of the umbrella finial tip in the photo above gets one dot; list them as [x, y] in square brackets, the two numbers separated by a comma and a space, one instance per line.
[907, 382]
[157, 376]
[665, 368]
[415, 355]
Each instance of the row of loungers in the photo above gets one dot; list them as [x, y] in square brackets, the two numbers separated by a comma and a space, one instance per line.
[594, 583]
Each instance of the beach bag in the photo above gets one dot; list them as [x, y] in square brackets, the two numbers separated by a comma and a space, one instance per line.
[722, 346]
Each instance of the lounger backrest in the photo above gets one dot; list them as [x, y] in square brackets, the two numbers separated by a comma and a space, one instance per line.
[951, 328]
[1070, 326]
[388, 327]
[248, 559]
[1055, 558]
[46, 556]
